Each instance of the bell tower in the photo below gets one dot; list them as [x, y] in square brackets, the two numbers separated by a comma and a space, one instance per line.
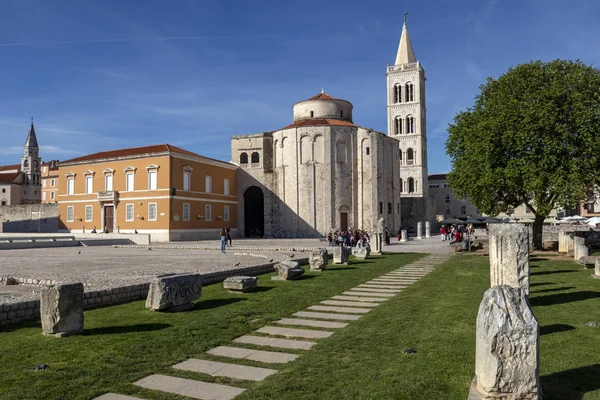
[31, 167]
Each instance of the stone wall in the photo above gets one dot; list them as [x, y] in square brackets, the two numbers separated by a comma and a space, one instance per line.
[30, 310]
[550, 232]
[29, 218]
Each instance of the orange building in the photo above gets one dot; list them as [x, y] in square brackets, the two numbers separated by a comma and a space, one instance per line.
[168, 192]
[50, 182]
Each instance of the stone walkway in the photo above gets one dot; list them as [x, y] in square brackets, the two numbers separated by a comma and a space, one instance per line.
[328, 316]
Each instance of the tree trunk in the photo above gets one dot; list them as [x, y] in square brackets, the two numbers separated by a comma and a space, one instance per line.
[538, 229]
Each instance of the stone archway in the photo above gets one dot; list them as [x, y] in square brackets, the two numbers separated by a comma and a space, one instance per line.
[254, 212]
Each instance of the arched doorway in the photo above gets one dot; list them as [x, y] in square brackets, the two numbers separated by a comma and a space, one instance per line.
[254, 212]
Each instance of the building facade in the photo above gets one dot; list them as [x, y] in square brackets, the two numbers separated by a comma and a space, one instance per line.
[168, 192]
[445, 203]
[318, 174]
[407, 116]
[49, 176]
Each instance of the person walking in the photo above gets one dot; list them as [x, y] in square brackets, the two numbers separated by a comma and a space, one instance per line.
[228, 231]
[223, 240]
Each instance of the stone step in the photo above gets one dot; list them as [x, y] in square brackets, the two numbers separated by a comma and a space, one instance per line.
[189, 387]
[272, 342]
[393, 283]
[311, 322]
[392, 280]
[376, 290]
[302, 333]
[235, 371]
[342, 317]
[382, 286]
[114, 396]
[349, 303]
[365, 293]
[359, 298]
[349, 310]
[272, 357]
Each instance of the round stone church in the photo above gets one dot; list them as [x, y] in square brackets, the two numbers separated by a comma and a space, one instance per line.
[320, 173]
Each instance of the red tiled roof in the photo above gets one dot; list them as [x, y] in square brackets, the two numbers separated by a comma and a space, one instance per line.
[10, 167]
[8, 178]
[321, 96]
[437, 177]
[319, 122]
[159, 148]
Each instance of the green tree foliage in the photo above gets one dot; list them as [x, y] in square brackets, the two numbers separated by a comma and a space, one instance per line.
[532, 137]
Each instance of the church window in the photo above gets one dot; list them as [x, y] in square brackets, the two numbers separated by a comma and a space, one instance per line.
[342, 114]
[312, 114]
[368, 151]
[380, 207]
[319, 150]
[410, 157]
[255, 158]
[3, 202]
[244, 158]
[411, 185]
[400, 156]
[389, 208]
[88, 213]
[398, 93]
[340, 150]
[410, 124]
[26, 163]
[409, 94]
[398, 126]
[305, 150]
[401, 183]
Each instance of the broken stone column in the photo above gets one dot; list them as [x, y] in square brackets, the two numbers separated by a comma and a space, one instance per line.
[341, 255]
[61, 309]
[419, 230]
[288, 270]
[507, 347]
[597, 269]
[377, 243]
[318, 259]
[175, 292]
[427, 229]
[404, 237]
[242, 284]
[509, 255]
[580, 249]
[360, 253]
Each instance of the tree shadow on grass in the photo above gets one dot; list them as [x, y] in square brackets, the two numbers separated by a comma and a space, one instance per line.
[563, 298]
[561, 271]
[260, 289]
[537, 259]
[541, 284]
[572, 384]
[553, 290]
[548, 329]
[303, 277]
[214, 303]
[356, 261]
[111, 330]
[334, 268]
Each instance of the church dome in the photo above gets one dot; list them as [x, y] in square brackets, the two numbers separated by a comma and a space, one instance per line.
[323, 106]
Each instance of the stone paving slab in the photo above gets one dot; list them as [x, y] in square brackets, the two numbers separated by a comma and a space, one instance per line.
[366, 293]
[403, 282]
[273, 357]
[358, 298]
[303, 333]
[310, 322]
[375, 290]
[321, 315]
[349, 310]
[392, 280]
[272, 342]
[235, 371]
[349, 303]
[371, 285]
[189, 387]
[114, 396]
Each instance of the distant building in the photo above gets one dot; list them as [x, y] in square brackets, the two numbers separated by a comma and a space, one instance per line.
[168, 192]
[50, 182]
[20, 183]
[320, 173]
[446, 204]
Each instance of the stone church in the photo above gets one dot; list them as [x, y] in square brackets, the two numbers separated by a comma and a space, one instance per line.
[323, 172]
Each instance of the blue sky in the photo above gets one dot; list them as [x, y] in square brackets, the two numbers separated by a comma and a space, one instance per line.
[107, 74]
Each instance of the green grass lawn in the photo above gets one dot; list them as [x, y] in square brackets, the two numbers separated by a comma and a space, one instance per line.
[436, 316]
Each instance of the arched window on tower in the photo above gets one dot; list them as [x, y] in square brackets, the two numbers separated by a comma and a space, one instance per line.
[409, 94]
[255, 158]
[401, 189]
[411, 185]
[342, 114]
[35, 165]
[410, 124]
[244, 158]
[389, 208]
[26, 163]
[398, 126]
[410, 157]
[398, 93]
[380, 207]
[368, 151]
[400, 157]
[312, 114]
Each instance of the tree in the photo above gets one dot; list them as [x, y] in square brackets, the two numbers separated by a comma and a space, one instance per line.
[532, 137]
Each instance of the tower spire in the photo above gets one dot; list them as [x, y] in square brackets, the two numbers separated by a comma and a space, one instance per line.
[405, 54]
[31, 141]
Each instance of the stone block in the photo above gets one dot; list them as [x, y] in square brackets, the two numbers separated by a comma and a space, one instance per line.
[318, 259]
[341, 255]
[507, 347]
[174, 292]
[240, 283]
[288, 270]
[62, 309]
[509, 255]
[588, 262]
[360, 253]
[597, 268]
[580, 251]
[404, 236]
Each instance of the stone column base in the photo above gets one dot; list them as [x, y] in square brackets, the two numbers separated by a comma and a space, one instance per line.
[595, 276]
[475, 394]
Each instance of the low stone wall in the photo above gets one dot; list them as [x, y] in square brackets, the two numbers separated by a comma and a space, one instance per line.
[29, 218]
[30, 310]
[566, 240]
[550, 232]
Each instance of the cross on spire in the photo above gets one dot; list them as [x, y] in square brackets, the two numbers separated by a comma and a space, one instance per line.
[405, 14]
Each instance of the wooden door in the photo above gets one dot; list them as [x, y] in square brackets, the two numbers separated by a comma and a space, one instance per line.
[109, 218]
[344, 221]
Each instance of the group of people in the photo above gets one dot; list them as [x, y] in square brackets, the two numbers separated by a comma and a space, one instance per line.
[351, 238]
[225, 238]
[455, 233]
